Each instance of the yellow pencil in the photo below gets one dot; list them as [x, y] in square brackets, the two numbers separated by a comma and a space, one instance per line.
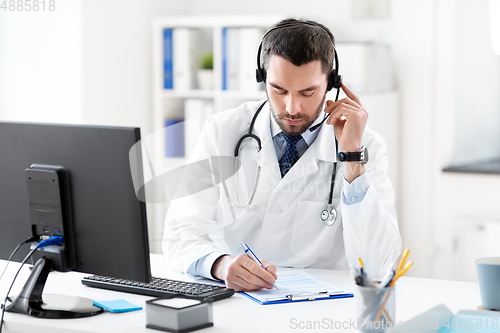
[397, 276]
[408, 265]
[361, 262]
[403, 258]
[382, 307]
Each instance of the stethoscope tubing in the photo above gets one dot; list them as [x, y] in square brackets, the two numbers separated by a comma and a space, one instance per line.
[328, 215]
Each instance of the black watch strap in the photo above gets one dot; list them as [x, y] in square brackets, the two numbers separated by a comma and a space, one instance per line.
[360, 156]
[350, 156]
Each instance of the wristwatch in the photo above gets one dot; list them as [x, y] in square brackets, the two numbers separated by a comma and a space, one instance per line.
[360, 156]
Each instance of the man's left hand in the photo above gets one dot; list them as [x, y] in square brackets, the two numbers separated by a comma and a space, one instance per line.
[348, 117]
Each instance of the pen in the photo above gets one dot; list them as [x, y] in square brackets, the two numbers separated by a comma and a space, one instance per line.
[398, 275]
[386, 281]
[361, 262]
[361, 278]
[252, 256]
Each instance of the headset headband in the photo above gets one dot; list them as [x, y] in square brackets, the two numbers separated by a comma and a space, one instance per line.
[334, 79]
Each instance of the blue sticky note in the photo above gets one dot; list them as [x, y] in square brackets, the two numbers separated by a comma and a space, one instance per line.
[119, 305]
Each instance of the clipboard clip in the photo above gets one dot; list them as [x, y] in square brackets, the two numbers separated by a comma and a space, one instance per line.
[309, 297]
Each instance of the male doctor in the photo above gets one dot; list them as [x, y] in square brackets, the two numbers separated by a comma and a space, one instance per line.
[283, 223]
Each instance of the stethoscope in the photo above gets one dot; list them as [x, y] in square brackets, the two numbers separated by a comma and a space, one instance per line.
[328, 215]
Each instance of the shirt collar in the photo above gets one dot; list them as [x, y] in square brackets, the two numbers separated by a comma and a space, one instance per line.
[308, 136]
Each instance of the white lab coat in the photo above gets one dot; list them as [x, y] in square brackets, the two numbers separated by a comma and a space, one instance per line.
[284, 227]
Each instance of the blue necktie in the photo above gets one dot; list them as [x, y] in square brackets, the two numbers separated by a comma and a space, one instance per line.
[290, 156]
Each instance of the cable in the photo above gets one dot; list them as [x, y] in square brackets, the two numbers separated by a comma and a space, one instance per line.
[29, 240]
[53, 240]
[12, 284]
[10, 258]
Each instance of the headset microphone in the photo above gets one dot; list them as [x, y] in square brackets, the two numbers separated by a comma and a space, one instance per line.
[315, 127]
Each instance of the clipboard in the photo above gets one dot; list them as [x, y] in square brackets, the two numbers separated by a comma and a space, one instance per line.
[297, 286]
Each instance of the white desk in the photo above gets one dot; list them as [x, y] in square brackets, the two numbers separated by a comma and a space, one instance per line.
[237, 313]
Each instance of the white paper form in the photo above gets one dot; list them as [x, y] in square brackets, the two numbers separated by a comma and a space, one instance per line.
[295, 285]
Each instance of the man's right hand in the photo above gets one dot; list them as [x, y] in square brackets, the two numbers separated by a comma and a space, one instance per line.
[243, 274]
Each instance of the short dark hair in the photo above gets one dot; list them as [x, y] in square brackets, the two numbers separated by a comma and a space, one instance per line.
[300, 43]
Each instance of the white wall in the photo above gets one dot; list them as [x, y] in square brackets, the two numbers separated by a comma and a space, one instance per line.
[451, 114]
[85, 62]
[117, 59]
[41, 65]
[116, 47]
[337, 15]
[477, 85]
[413, 46]
[466, 126]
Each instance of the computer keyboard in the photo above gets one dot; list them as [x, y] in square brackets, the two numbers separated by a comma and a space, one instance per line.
[160, 287]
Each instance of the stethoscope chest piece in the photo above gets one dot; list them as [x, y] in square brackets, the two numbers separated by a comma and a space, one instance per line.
[329, 217]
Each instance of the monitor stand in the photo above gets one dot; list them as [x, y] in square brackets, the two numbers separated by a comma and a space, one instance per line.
[30, 301]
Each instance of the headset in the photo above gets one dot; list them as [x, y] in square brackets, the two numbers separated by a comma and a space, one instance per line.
[334, 79]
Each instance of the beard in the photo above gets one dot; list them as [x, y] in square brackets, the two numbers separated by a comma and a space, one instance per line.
[295, 130]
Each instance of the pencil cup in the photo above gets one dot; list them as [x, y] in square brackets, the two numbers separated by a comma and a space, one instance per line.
[375, 308]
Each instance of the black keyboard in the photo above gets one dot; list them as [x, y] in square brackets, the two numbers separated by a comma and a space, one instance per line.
[160, 287]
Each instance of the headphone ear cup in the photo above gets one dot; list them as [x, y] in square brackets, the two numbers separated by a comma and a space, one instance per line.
[260, 75]
[334, 81]
[338, 82]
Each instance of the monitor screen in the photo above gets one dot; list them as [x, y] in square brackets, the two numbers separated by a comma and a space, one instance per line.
[109, 222]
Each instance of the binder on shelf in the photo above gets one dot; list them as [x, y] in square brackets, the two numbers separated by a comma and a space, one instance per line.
[184, 41]
[249, 43]
[224, 58]
[174, 141]
[230, 61]
[167, 59]
[196, 112]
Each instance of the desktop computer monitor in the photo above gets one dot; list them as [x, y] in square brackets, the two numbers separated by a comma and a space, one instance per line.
[105, 227]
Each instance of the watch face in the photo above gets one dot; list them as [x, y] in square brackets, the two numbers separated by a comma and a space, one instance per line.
[364, 155]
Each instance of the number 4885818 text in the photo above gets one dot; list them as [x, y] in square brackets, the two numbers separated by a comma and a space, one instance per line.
[28, 5]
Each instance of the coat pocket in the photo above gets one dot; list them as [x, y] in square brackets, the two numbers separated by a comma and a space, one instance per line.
[311, 237]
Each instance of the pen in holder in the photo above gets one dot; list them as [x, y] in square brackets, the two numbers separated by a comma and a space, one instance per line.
[376, 308]
[375, 302]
